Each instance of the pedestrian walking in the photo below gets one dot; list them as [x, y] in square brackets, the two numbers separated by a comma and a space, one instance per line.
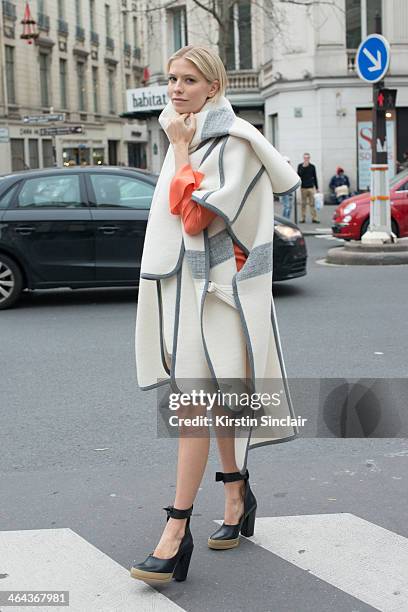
[307, 173]
[288, 199]
[205, 309]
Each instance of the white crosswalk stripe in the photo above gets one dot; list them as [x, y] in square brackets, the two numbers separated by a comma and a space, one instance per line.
[328, 237]
[350, 553]
[61, 560]
[360, 558]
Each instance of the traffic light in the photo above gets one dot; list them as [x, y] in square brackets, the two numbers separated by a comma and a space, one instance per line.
[386, 99]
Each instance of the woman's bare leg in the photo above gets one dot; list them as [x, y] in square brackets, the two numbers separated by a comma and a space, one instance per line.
[234, 491]
[194, 444]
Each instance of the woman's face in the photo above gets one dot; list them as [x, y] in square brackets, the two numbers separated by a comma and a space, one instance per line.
[185, 81]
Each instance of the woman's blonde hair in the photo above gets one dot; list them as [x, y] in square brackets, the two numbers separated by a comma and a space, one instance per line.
[208, 62]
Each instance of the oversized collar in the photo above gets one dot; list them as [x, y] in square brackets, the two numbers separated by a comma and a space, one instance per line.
[214, 119]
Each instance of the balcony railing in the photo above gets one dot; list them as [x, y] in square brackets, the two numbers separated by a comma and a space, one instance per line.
[43, 22]
[110, 43]
[351, 60]
[79, 33]
[243, 79]
[94, 38]
[62, 26]
[9, 10]
[137, 52]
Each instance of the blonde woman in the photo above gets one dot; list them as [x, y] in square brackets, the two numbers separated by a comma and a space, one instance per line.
[205, 310]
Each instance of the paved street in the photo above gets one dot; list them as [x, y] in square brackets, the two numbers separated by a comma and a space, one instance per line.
[84, 477]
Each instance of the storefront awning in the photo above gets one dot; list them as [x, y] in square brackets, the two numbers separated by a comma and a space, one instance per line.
[238, 103]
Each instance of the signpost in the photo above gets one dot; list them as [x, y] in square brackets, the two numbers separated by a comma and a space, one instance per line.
[61, 131]
[372, 63]
[46, 118]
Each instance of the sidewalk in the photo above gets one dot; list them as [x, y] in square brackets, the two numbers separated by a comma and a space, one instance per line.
[310, 229]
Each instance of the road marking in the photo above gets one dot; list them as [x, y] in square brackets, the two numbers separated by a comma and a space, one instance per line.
[329, 237]
[350, 553]
[61, 560]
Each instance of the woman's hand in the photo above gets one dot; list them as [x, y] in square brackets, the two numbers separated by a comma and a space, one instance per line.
[179, 133]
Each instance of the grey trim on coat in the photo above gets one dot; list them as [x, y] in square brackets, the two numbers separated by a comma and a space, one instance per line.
[196, 259]
[203, 201]
[210, 148]
[281, 362]
[292, 437]
[203, 296]
[173, 382]
[217, 122]
[260, 261]
[249, 189]
[244, 328]
[149, 276]
[155, 385]
[290, 190]
[221, 248]
[159, 298]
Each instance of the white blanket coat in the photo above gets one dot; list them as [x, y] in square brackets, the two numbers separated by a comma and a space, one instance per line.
[197, 317]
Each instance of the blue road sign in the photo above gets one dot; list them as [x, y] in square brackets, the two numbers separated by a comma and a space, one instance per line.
[373, 58]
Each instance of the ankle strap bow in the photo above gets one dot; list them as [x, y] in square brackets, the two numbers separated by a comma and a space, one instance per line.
[173, 512]
[231, 476]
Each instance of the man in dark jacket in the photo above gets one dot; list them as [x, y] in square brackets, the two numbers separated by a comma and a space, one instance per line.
[307, 173]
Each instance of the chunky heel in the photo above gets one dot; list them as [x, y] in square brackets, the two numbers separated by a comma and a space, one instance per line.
[163, 570]
[227, 536]
[248, 526]
[181, 571]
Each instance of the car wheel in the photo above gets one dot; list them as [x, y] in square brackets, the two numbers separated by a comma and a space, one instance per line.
[364, 227]
[11, 282]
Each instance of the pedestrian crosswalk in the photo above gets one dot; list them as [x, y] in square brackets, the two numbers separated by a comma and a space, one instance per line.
[61, 560]
[350, 553]
[328, 237]
[362, 559]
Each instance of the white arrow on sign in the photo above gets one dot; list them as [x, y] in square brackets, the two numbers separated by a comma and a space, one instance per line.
[381, 148]
[377, 63]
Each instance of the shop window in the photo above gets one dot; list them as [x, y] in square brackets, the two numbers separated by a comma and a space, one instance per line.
[113, 191]
[76, 156]
[48, 153]
[56, 191]
[17, 154]
[98, 157]
[33, 151]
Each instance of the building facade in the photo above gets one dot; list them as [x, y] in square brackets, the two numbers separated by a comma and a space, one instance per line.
[170, 26]
[314, 100]
[102, 65]
[77, 70]
[291, 73]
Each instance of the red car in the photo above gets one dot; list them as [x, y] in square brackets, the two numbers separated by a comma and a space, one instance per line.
[351, 218]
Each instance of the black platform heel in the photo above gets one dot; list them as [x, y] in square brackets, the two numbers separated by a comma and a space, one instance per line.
[176, 567]
[227, 536]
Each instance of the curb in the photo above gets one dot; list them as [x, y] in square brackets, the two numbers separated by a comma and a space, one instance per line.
[370, 255]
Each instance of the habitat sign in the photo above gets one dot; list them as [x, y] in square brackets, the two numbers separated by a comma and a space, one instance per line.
[146, 98]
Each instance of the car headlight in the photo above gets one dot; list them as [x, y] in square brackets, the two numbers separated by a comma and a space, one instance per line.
[288, 233]
[346, 219]
[349, 208]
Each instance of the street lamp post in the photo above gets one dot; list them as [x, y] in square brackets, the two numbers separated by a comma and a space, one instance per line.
[379, 230]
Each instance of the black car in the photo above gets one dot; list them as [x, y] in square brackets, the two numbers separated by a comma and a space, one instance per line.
[84, 227]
